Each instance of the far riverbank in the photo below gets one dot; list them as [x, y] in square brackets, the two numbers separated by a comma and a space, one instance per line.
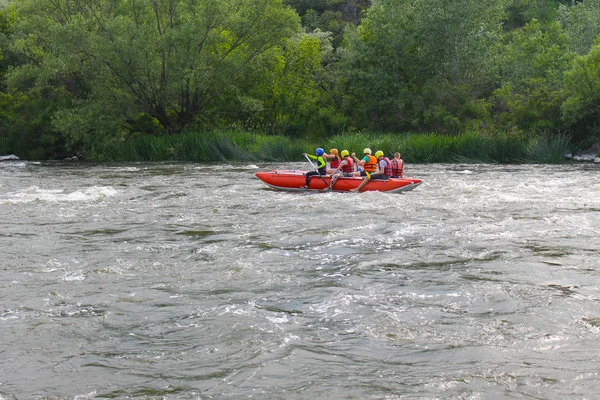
[232, 145]
[414, 147]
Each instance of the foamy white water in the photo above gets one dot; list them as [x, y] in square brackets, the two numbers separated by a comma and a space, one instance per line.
[187, 281]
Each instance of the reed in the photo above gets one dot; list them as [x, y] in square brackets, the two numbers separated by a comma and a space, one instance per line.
[469, 147]
[193, 146]
[544, 150]
[236, 145]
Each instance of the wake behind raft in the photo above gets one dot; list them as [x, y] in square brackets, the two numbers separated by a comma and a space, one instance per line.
[293, 180]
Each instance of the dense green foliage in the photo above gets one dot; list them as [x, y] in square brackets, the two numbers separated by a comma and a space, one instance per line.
[155, 79]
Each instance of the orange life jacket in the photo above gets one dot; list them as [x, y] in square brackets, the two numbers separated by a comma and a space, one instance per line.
[371, 165]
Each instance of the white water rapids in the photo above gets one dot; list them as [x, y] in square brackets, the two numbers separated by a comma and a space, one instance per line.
[194, 281]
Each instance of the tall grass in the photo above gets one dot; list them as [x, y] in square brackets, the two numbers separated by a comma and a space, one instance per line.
[469, 147]
[547, 151]
[193, 146]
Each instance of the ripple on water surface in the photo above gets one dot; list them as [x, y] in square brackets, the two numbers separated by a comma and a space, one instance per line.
[182, 281]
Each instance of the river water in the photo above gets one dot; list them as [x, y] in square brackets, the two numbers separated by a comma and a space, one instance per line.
[179, 281]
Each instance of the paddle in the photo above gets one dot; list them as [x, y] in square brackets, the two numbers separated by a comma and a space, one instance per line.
[321, 176]
[334, 179]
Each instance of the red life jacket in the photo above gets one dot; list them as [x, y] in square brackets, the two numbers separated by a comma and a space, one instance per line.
[349, 166]
[398, 167]
[371, 165]
[335, 162]
[388, 168]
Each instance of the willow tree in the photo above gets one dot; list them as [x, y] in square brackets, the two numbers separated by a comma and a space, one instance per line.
[290, 98]
[156, 65]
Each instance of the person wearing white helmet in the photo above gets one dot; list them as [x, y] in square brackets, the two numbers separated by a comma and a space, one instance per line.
[321, 165]
[384, 170]
[368, 164]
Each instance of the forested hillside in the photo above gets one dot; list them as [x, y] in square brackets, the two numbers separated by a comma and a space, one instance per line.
[77, 74]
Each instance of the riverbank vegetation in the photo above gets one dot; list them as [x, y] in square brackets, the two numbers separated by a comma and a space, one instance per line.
[203, 80]
[416, 148]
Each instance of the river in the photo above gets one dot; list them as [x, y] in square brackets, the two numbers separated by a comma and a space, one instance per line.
[182, 281]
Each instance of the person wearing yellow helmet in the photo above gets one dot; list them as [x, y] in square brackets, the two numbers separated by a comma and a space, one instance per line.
[384, 165]
[346, 164]
[384, 170]
[335, 160]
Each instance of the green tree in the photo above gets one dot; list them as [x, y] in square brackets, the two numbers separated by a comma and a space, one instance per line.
[295, 96]
[135, 65]
[581, 108]
[522, 12]
[330, 15]
[406, 50]
[532, 66]
[328, 21]
[351, 9]
[581, 21]
[285, 97]
[23, 121]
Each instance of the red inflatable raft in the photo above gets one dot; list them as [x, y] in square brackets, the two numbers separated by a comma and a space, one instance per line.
[294, 180]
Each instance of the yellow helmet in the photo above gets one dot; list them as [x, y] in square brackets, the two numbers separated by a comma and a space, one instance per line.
[379, 153]
[333, 151]
[367, 150]
[345, 153]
